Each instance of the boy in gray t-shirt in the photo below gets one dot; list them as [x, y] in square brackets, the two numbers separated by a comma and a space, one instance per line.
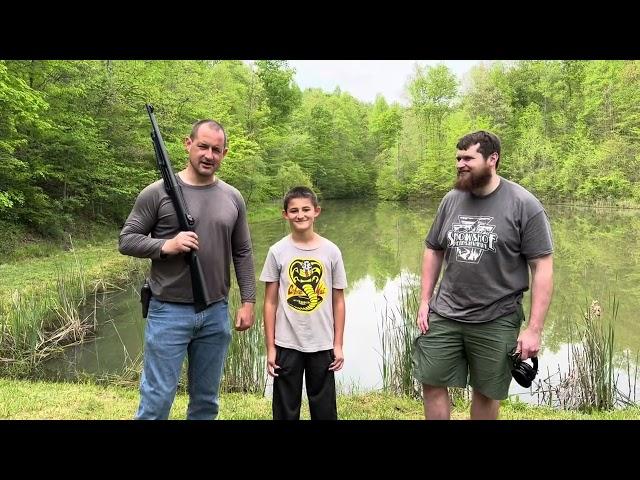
[304, 312]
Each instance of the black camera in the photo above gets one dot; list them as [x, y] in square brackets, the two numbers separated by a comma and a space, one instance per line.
[522, 372]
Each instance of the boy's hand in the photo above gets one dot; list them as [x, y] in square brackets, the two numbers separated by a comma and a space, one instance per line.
[338, 361]
[271, 362]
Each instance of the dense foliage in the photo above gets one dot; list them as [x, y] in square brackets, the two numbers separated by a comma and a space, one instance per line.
[75, 147]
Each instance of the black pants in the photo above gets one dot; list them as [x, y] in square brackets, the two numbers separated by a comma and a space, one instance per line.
[320, 382]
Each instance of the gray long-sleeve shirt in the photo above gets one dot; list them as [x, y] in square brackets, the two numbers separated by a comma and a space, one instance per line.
[223, 234]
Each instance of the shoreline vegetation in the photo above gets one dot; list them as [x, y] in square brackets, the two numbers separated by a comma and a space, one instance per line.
[48, 293]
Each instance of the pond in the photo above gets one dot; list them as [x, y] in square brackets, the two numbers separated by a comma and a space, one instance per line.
[597, 252]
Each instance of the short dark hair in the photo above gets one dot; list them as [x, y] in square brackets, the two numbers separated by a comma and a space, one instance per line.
[489, 143]
[215, 125]
[300, 192]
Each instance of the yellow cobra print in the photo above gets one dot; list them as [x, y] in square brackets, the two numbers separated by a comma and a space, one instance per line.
[306, 288]
[313, 297]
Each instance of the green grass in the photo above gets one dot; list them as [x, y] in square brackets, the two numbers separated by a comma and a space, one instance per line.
[99, 261]
[47, 288]
[43, 299]
[35, 277]
[396, 337]
[34, 265]
[264, 211]
[21, 399]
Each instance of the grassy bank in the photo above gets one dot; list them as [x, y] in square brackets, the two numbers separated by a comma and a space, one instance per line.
[36, 264]
[48, 290]
[21, 399]
[100, 260]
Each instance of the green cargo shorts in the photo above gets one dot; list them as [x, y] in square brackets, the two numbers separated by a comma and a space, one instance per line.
[452, 352]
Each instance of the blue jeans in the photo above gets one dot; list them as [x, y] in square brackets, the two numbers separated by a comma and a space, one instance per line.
[173, 330]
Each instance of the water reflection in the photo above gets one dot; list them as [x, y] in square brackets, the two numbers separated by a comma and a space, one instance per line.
[597, 256]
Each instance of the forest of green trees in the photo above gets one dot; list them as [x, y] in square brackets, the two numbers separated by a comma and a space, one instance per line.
[75, 146]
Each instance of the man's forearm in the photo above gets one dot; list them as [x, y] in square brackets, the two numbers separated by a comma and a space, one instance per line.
[245, 275]
[139, 245]
[431, 265]
[541, 291]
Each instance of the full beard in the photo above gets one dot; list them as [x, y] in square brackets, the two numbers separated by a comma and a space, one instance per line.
[473, 181]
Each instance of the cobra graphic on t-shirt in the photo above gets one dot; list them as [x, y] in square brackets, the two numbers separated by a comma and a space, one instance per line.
[307, 287]
[472, 237]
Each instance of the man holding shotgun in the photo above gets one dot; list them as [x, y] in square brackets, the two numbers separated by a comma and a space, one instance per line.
[190, 245]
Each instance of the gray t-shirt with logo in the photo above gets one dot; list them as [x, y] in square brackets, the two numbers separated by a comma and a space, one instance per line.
[487, 242]
[304, 316]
